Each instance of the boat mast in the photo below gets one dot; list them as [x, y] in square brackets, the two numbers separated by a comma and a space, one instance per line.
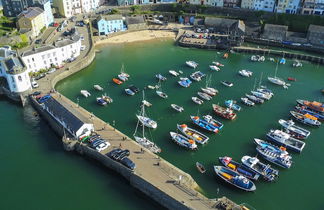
[276, 69]
[143, 116]
[260, 79]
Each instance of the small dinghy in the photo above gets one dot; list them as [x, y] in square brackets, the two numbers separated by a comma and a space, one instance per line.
[177, 108]
[234, 178]
[161, 94]
[97, 87]
[160, 77]
[197, 100]
[173, 73]
[117, 81]
[217, 63]
[101, 102]
[214, 68]
[107, 98]
[200, 167]
[151, 87]
[129, 92]
[227, 83]
[85, 93]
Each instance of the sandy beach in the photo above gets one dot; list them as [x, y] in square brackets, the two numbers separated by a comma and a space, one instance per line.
[137, 36]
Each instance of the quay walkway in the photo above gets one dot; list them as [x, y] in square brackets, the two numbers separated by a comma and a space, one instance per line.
[154, 176]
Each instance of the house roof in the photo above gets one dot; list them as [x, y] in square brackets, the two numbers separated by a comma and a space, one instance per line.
[109, 17]
[273, 27]
[37, 50]
[224, 23]
[14, 65]
[135, 20]
[31, 12]
[67, 116]
[316, 28]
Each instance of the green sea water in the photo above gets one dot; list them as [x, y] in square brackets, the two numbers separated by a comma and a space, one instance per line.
[37, 173]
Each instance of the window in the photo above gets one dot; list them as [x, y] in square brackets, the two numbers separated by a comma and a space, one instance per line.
[43, 57]
[28, 61]
[55, 59]
[12, 79]
[29, 66]
[45, 62]
[33, 59]
[19, 78]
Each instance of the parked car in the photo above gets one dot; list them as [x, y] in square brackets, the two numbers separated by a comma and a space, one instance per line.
[128, 163]
[52, 70]
[38, 41]
[44, 98]
[40, 76]
[83, 47]
[34, 84]
[114, 152]
[36, 93]
[102, 146]
[123, 154]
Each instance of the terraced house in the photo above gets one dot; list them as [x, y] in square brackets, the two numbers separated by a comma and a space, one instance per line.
[68, 8]
[110, 24]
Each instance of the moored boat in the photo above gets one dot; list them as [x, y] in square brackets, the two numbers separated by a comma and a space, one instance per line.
[117, 81]
[204, 124]
[224, 112]
[265, 170]
[146, 121]
[173, 73]
[85, 93]
[107, 98]
[184, 82]
[146, 103]
[284, 139]
[217, 63]
[225, 56]
[227, 83]
[204, 96]
[129, 92]
[101, 102]
[197, 76]
[197, 100]
[277, 81]
[193, 134]
[255, 99]
[261, 95]
[313, 105]
[293, 130]
[183, 141]
[200, 167]
[305, 110]
[151, 87]
[192, 64]
[234, 178]
[213, 121]
[232, 105]
[161, 94]
[228, 162]
[160, 77]
[214, 68]
[209, 92]
[177, 107]
[247, 102]
[245, 73]
[273, 154]
[98, 87]
[291, 79]
[212, 89]
[265, 90]
[306, 119]
[122, 77]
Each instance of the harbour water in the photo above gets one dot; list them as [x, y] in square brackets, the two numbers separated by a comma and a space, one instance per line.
[38, 172]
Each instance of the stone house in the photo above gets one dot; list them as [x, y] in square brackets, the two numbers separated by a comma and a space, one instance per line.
[315, 35]
[136, 23]
[275, 32]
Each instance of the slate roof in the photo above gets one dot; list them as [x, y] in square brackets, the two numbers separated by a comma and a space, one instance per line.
[37, 50]
[14, 65]
[224, 23]
[135, 20]
[316, 28]
[109, 17]
[73, 122]
[31, 12]
[275, 32]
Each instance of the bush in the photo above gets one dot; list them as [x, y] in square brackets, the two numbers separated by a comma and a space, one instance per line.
[20, 45]
[135, 8]
[114, 11]
[23, 37]
[43, 29]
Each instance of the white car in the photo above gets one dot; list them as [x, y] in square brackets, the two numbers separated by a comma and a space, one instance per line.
[34, 84]
[102, 146]
[83, 47]
[52, 70]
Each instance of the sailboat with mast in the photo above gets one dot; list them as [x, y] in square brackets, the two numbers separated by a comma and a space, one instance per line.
[278, 81]
[146, 121]
[123, 76]
[142, 140]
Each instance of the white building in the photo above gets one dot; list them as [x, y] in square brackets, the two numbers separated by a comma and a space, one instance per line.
[53, 55]
[287, 6]
[14, 71]
[264, 5]
[216, 3]
[68, 8]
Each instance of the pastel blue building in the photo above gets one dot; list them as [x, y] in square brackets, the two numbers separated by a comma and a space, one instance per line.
[110, 24]
[46, 6]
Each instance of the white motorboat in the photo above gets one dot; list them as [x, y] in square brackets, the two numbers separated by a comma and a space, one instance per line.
[204, 96]
[146, 121]
[247, 102]
[192, 64]
[85, 93]
[261, 95]
[284, 139]
[161, 94]
[173, 73]
[177, 107]
[146, 103]
[227, 83]
[297, 63]
[217, 63]
[212, 89]
[214, 68]
[197, 100]
[151, 87]
[98, 87]
[245, 73]
[294, 130]
[209, 92]
[106, 98]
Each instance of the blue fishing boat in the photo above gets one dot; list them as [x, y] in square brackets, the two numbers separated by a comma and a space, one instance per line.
[204, 124]
[101, 101]
[253, 163]
[183, 141]
[282, 61]
[232, 105]
[234, 178]
[213, 121]
[160, 77]
[273, 154]
[305, 110]
[228, 162]
[185, 82]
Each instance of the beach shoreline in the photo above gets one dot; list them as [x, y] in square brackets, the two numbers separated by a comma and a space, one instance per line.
[138, 36]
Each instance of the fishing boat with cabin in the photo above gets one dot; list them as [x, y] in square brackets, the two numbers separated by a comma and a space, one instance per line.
[204, 124]
[234, 178]
[191, 133]
[265, 170]
[183, 141]
[284, 139]
[306, 119]
[224, 112]
[247, 102]
[184, 82]
[294, 130]
[213, 121]
[192, 64]
[305, 110]
[313, 105]
[232, 105]
[228, 162]
[197, 100]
